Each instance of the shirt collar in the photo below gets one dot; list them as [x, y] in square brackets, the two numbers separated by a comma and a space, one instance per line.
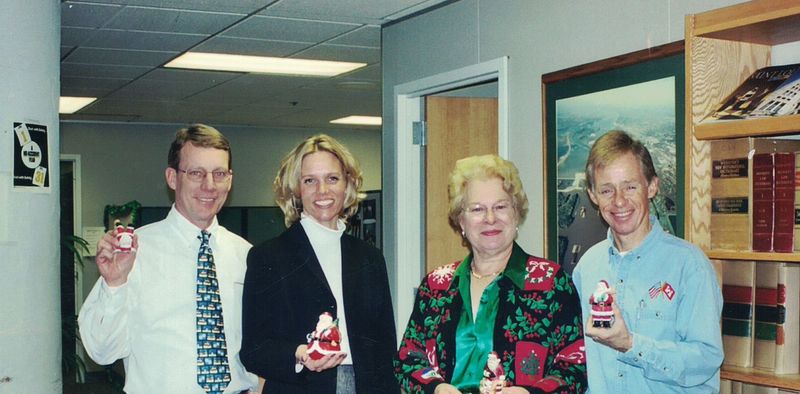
[515, 269]
[655, 232]
[187, 230]
[311, 224]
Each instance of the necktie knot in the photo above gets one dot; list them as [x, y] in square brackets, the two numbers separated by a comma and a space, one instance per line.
[204, 237]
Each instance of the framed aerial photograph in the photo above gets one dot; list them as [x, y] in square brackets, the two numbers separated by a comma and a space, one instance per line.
[641, 93]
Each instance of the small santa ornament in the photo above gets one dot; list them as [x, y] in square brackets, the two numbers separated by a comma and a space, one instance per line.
[124, 237]
[601, 299]
[325, 339]
[494, 376]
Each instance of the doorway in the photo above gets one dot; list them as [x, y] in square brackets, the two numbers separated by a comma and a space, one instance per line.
[408, 232]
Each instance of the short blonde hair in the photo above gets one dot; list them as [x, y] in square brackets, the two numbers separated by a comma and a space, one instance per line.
[287, 183]
[482, 168]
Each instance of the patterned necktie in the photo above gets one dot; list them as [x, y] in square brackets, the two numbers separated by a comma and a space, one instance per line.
[213, 373]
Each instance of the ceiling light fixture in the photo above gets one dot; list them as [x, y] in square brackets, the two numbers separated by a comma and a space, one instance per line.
[360, 120]
[70, 105]
[261, 64]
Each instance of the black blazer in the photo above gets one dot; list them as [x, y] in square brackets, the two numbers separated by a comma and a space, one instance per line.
[285, 291]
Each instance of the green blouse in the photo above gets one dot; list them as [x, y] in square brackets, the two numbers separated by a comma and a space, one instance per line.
[474, 336]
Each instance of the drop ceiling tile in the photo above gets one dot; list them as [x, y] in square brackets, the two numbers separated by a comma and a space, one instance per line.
[65, 50]
[202, 78]
[175, 21]
[250, 46]
[372, 11]
[160, 89]
[144, 40]
[79, 14]
[84, 91]
[270, 28]
[101, 71]
[100, 84]
[250, 88]
[366, 36]
[369, 73]
[120, 57]
[75, 36]
[238, 6]
[341, 53]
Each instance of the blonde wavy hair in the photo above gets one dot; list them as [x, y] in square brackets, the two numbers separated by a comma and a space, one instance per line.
[481, 168]
[287, 183]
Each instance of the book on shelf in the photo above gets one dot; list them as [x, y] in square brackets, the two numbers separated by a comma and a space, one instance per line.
[783, 205]
[738, 293]
[797, 201]
[764, 93]
[777, 319]
[730, 191]
[773, 202]
[763, 201]
[731, 183]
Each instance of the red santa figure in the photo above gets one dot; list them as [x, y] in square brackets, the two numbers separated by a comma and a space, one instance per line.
[601, 300]
[124, 237]
[325, 339]
[494, 376]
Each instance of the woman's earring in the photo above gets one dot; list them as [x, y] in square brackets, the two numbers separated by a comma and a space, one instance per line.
[297, 205]
[463, 234]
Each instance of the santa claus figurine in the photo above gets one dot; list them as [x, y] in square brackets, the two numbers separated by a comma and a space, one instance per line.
[494, 376]
[325, 339]
[124, 236]
[601, 300]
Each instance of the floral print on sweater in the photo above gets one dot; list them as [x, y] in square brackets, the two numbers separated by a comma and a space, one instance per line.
[538, 332]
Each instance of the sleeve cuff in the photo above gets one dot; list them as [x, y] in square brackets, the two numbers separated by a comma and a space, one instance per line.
[113, 297]
[640, 353]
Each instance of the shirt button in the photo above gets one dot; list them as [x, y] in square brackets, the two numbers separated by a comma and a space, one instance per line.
[619, 374]
[621, 281]
[641, 354]
[636, 359]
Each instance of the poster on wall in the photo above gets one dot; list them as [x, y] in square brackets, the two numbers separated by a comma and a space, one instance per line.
[31, 156]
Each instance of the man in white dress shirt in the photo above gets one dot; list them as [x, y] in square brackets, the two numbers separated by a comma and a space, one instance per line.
[144, 308]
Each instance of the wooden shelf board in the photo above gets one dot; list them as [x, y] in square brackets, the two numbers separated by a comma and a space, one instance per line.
[755, 376]
[760, 21]
[760, 127]
[748, 255]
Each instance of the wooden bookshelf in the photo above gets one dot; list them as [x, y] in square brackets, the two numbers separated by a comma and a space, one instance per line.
[751, 256]
[766, 127]
[761, 378]
[723, 48]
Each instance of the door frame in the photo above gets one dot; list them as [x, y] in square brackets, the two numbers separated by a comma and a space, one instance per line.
[409, 230]
[77, 229]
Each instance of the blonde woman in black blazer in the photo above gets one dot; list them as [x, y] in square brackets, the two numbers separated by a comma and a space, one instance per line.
[311, 268]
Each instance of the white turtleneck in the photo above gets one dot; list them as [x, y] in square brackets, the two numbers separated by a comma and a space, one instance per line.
[327, 246]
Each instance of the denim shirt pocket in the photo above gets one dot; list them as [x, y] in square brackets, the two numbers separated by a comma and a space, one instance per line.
[656, 318]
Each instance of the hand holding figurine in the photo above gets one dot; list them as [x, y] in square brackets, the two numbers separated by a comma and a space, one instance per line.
[114, 262]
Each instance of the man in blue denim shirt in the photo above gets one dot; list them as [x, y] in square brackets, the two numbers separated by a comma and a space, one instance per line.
[665, 335]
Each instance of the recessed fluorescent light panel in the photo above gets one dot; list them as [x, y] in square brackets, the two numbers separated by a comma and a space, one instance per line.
[261, 64]
[70, 105]
[360, 120]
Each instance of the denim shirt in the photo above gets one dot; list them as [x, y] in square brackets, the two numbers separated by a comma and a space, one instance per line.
[671, 303]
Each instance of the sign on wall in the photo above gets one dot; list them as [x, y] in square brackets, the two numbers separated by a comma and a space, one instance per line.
[31, 156]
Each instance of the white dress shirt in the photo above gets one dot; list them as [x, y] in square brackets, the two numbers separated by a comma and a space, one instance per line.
[150, 321]
[327, 246]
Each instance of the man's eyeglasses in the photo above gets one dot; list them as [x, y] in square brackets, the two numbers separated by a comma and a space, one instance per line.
[199, 175]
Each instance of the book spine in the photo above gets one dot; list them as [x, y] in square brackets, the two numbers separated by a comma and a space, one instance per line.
[783, 224]
[730, 189]
[766, 316]
[787, 330]
[797, 202]
[738, 292]
[763, 201]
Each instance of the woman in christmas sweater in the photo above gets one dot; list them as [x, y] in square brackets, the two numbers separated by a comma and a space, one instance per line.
[498, 299]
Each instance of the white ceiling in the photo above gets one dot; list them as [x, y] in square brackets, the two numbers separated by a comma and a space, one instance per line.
[115, 49]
